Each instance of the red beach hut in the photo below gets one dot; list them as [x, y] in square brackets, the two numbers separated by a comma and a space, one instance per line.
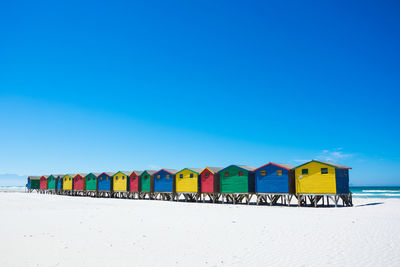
[134, 183]
[209, 183]
[79, 183]
[43, 183]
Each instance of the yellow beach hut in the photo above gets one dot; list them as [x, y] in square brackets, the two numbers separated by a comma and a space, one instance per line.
[67, 184]
[316, 179]
[120, 183]
[187, 183]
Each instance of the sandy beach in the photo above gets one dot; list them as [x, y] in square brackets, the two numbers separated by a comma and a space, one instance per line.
[49, 230]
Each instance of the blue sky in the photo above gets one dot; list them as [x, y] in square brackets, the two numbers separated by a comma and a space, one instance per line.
[120, 85]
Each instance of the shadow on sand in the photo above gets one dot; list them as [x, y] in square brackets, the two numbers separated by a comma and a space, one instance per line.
[370, 204]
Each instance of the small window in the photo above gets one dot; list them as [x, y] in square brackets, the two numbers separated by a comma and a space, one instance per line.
[226, 174]
[207, 175]
[181, 175]
[123, 177]
[107, 178]
[101, 178]
[324, 170]
[279, 172]
[70, 178]
[133, 177]
[304, 171]
[88, 178]
[81, 178]
[145, 177]
[116, 177]
[263, 173]
[191, 175]
[240, 173]
[167, 176]
[158, 176]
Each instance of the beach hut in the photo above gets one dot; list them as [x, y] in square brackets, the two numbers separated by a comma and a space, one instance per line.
[33, 183]
[104, 184]
[52, 183]
[164, 184]
[146, 184]
[120, 184]
[43, 184]
[209, 183]
[59, 184]
[91, 184]
[187, 184]
[134, 184]
[67, 184]
[318, 179]
[274, 182]
[79, 184]
[236, 183]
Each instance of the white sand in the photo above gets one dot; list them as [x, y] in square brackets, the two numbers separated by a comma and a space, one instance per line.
[48, 230]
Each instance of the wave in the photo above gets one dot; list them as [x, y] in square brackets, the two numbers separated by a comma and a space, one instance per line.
[376, 195]
[381, 191]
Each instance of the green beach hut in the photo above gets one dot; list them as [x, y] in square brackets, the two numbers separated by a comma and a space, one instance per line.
[91, 184]
[146, 183]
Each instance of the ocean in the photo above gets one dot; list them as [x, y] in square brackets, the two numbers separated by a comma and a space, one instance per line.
[358, 191]
[375, 191]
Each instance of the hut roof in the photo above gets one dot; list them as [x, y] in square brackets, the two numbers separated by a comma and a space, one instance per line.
[244, 167]
[196, 170]
[335, 165]
[151, 172]
[213, 169]
[34, 177]
[171, 171]
[81, 174]
[138, 173]
[127, 173]
[45, 176]
[107, 173]
[282, 165]
[94, 173]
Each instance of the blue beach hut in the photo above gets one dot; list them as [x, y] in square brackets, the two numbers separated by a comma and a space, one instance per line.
[164, 180]
[104, 184]
[275, 178]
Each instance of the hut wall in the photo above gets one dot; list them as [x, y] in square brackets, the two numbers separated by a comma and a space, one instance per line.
[67, 182]
[315, 182]
[209, 184]
[272, 182]
[342, 181]
[145, 182]
[59, 183]
[233, 183]
[120, 182]
[91, 182]
[51, 182]
[104, 182]
[186, 183]
[79, 182]
[134, 183]
[43, 183]
[163, 181]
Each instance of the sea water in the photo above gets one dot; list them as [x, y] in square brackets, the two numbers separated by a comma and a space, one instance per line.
[375, 191]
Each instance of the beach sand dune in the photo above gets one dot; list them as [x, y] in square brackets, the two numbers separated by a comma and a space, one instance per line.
[48, 230]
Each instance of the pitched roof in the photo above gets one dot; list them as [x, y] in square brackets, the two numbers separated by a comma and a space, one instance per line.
[196, 170]
[151, 172]
[244, 167]
[171, 171]
[282, 165]
[335, 165]
[138, 173]
[127, 173]
[213, 169]
[34, 177]
[81, 174]
[94, 173]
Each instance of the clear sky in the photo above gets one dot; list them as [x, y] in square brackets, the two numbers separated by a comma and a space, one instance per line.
[121, 85]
